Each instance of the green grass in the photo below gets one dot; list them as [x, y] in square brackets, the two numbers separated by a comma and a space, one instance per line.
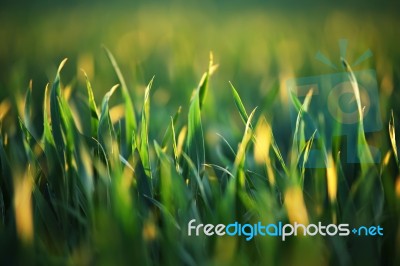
[118, 182]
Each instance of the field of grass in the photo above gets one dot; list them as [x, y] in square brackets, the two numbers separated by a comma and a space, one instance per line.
[164, 115]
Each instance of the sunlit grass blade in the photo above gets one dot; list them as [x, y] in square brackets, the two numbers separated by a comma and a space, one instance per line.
[262, 146]
[94, 115]
[305, 153]
[299, 141]
[392, 135]
[28, 107]
[364, 152]
[130, 114]
[295, 206]
[245, 117]
[239, 104]
[47, 134]
[23, 207]
[203, 87]
[241, 154]
[144, 131]
[55, 95]
[106, 133]
[5, 107]
[170, 132]
[195, 138]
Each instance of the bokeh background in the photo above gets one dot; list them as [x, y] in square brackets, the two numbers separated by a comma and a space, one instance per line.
[258, 45]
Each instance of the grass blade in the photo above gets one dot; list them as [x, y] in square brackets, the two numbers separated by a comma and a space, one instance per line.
[392, 135]
[144, 131]
[130, 114]
[239, 105]
[94, 115]
[106, 133]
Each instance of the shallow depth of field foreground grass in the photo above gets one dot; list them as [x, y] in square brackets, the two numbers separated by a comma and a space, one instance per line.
[111, 178]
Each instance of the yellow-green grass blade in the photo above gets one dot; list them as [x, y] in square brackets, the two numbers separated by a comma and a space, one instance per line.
[239, 105]
[28, 107]
[195, 138]
[362, 145]
[144, 131]
[170, 132]
[392, 135]
[106, 133]
[94, 115]
[130, 113]
[241, 154]
[55, 113]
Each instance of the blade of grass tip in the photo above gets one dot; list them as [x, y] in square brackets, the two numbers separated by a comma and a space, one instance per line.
[296, 144]
[392, 134]
[106, 133]
[169, 134]
[144, 131]
[363, 147]
[94, 114]
[195, 137]
[203, 85]
[239, 105]
[28, 107]
[130, 114]
[55, 114]
[301, 109]
[356, 89]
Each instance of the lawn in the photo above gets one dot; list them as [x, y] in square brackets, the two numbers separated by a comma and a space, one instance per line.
[118, 126]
